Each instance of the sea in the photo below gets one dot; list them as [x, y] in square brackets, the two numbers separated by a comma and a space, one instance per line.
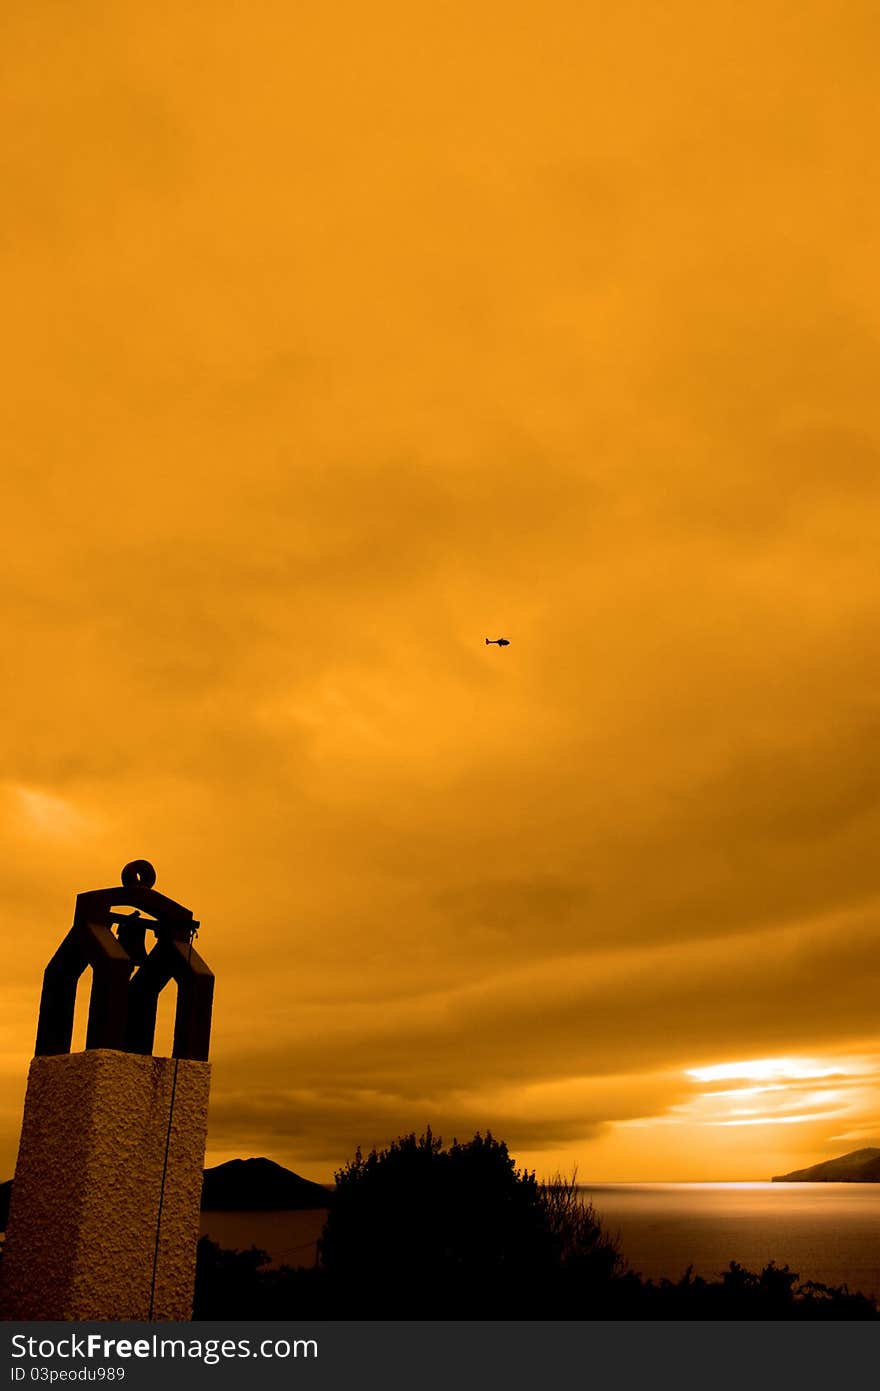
[828, 1232]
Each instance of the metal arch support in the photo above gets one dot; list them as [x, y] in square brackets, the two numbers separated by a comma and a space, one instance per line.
[179, 961]
[122, 1008]
[87, 944]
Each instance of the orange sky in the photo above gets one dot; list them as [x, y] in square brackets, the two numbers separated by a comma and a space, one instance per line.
[339, 338]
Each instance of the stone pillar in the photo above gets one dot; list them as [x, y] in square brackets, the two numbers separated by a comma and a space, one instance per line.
[104, 1217]
[92, 1185]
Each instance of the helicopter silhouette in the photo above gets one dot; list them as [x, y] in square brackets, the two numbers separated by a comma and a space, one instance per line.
[502, 642]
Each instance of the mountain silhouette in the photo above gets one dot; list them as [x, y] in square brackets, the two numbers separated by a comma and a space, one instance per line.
[859, 1166]
[251, 1185]
[240, 1185]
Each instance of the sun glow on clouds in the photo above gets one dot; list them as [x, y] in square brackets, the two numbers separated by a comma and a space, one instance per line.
[791, 1094]
[761, 1069]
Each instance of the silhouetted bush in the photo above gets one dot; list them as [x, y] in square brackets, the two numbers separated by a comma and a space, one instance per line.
[584, 1281]
[240, 1285]
[229, 1284]
[581, 1244]
[775, 1293]
[416, 1230]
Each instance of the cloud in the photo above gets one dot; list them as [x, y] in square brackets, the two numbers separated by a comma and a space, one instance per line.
[562, 328]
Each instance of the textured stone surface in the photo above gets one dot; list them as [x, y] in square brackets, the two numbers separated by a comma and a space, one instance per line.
[82, 1226]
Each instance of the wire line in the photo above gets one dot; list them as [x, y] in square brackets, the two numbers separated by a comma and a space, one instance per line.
[165, 1160]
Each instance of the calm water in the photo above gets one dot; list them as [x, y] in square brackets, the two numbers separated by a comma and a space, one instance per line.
[289, 1237]
[825, 1231]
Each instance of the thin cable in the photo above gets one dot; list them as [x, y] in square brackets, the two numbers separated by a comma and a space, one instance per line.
[165, 1160]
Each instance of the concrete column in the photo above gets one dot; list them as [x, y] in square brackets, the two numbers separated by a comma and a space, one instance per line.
[81, 1238]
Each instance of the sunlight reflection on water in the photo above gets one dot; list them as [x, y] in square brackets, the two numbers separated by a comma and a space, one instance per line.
[825, 1231]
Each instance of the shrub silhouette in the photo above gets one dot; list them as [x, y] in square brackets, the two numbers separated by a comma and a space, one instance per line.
[241, 1285]
[229, 1284]
[773, 1293]
[417, 1230]
[589, 1275]
[581, 1244]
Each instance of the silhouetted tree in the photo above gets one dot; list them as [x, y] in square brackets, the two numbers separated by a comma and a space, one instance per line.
[416, 1230]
